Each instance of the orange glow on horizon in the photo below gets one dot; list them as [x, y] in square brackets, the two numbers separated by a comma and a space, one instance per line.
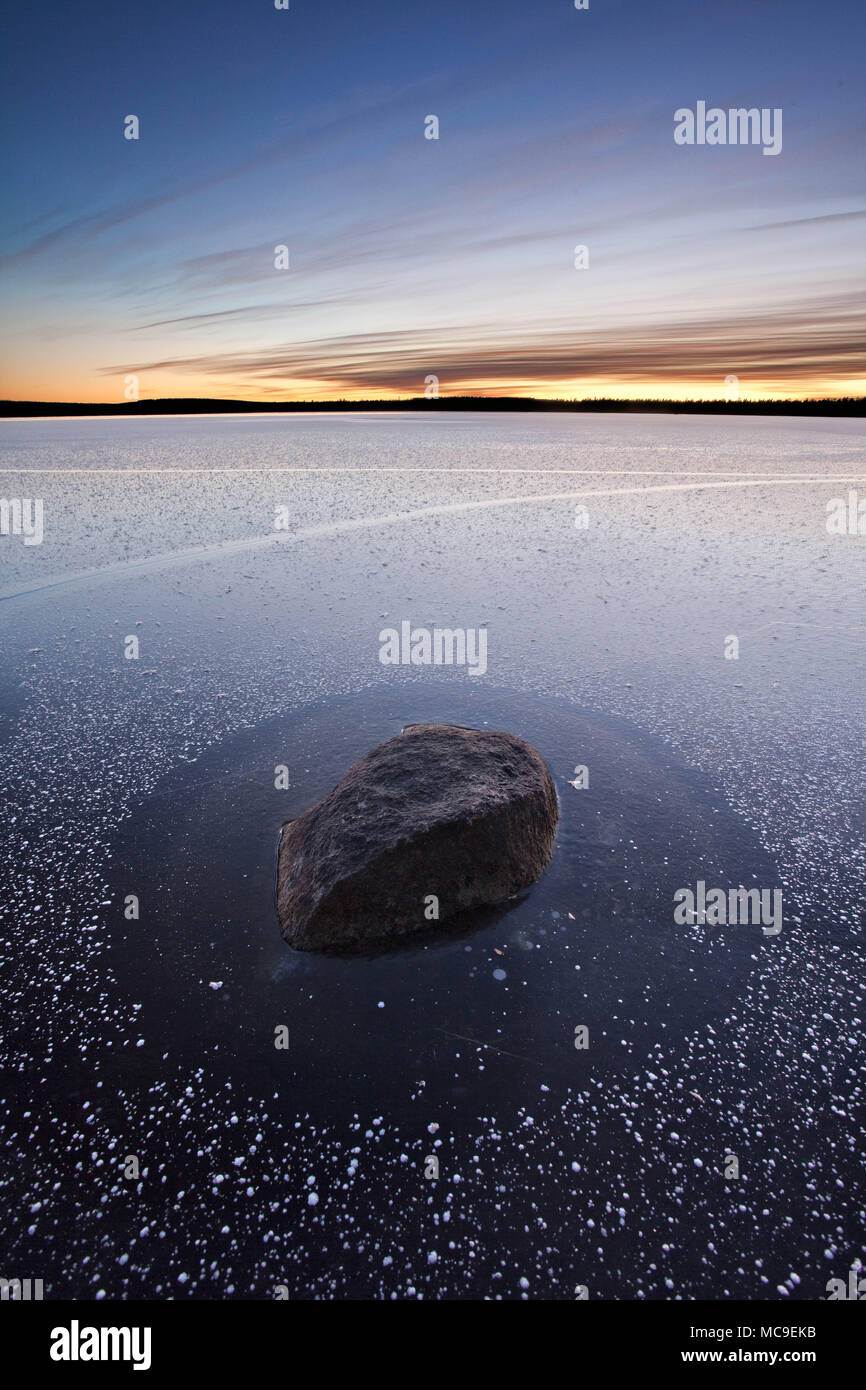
[92, 392]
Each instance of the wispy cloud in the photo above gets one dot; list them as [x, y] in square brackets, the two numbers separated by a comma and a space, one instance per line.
[762, 344]
[824, 219]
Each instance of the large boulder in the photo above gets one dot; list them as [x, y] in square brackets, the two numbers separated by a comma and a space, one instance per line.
[462, 816]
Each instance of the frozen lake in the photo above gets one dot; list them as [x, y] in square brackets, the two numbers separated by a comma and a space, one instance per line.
[665, 607]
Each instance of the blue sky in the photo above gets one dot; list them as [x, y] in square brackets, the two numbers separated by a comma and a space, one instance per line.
[411, 256]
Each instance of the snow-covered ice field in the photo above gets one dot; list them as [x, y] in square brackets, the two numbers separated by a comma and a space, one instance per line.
[153, 1037]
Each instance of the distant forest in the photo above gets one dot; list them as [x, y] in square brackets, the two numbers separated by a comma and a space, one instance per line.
[846, 405]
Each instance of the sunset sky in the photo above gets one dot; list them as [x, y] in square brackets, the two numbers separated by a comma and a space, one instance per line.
[408, 256]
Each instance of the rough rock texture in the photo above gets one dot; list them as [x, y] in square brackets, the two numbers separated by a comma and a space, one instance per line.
[464, 815]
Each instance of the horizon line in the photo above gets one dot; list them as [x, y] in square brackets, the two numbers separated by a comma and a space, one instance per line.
[835, 405]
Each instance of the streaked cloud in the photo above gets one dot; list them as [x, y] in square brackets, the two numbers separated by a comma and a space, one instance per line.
[762, 345]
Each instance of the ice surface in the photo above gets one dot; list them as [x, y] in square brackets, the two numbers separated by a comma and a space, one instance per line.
[614, 1179]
